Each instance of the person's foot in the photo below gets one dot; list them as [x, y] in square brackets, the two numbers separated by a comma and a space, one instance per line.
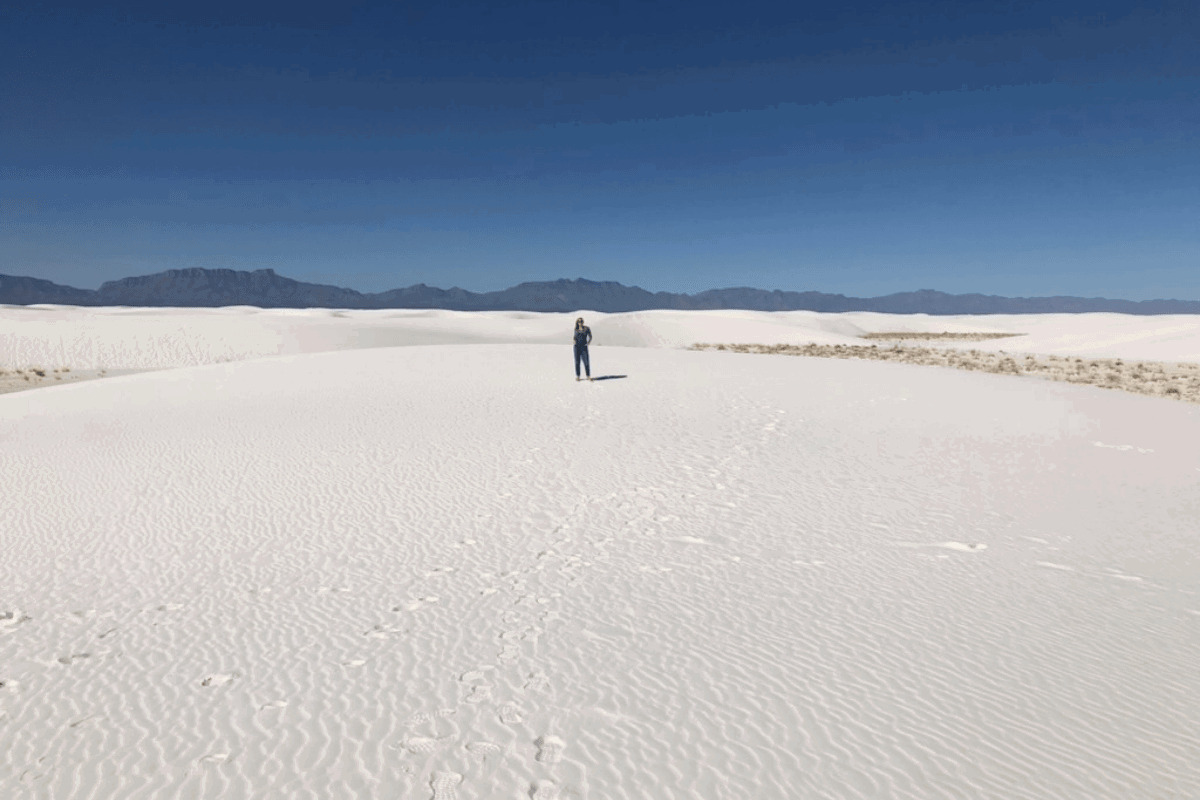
[578, 378]
[590, 378]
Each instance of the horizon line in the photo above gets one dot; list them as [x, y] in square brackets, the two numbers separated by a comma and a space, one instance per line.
[272, 271]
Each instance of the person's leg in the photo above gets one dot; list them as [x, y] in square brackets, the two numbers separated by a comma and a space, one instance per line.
[587, 364]
[577, 356]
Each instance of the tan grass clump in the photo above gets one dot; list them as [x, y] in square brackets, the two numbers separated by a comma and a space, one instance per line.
[899, 336]
[1176, 381]
[13, 379]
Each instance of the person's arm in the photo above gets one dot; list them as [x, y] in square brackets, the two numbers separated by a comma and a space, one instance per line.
[589, 335]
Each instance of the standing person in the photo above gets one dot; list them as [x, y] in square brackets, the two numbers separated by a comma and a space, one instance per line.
[583, 336]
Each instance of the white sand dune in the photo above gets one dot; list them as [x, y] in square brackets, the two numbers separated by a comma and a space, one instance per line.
[148, 338]
[447, 570]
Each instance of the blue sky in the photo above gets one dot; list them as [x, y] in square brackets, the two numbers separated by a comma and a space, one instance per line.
[1020, 148]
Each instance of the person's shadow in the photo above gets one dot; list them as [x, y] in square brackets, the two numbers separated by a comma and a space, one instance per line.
[609, 377]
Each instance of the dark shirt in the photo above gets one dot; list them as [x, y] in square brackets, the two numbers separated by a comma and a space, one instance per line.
[583, 336]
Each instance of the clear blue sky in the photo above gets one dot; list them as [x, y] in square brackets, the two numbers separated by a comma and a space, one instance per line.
[1019, 148]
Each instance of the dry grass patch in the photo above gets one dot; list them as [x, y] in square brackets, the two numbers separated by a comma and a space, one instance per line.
[1177, 381]
[899, 336]
[15, 379]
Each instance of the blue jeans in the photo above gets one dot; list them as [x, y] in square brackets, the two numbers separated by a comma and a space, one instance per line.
[581, 352]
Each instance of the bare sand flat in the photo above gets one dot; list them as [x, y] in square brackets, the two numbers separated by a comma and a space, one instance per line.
[450, 571]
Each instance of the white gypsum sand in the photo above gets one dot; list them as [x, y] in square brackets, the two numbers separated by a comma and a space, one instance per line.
[450, 570]
[54, 337]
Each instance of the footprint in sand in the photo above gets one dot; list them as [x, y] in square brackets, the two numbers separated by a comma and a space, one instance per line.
[509, 714]
[445, 785]
[420, 744]
[413, 605]
[9, 620]
[420, 718]
[483, 750]
[382, 632]
[550, 749]
[479, 694]
[971, 547]
[516, 633]
[1123, 447]
[510, 653]
[218, 679]
[544, 790]
[538, 682]
[70, 658]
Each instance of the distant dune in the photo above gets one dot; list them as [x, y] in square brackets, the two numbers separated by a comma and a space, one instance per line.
[51, 337]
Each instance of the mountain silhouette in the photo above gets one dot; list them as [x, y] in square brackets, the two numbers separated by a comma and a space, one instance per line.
[210, 288]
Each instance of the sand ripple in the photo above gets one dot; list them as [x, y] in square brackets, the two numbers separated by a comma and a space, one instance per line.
[375, 574]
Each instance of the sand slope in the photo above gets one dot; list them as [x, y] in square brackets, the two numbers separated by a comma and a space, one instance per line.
[451, 571]
[153, 338]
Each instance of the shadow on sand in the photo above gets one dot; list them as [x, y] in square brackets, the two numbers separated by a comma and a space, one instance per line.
[609, 377]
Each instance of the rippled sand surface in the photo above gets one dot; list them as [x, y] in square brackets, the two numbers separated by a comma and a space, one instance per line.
[450, 571]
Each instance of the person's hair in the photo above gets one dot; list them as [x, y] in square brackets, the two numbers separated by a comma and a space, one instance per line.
[579, 322]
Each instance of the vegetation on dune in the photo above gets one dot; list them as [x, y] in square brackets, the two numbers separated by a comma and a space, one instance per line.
[1180, 381]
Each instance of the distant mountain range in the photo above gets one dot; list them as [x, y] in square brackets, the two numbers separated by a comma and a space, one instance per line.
[208, 288]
